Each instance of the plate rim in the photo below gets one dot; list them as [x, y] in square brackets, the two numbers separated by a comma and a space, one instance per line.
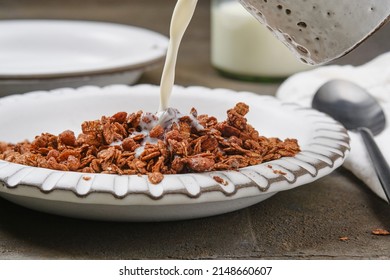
[153, 59]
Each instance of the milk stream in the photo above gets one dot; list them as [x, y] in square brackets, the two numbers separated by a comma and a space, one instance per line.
[181, 17]
[166, 116]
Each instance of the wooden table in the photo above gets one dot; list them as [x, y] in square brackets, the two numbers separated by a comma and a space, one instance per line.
[303, 223]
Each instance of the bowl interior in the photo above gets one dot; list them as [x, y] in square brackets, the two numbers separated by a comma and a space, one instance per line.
[24, 118]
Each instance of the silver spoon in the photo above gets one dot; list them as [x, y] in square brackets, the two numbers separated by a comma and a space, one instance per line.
[357, 110]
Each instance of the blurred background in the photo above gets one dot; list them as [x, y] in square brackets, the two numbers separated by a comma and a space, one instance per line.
[194, 55]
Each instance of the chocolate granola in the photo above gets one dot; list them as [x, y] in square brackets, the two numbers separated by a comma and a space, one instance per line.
[144, 143]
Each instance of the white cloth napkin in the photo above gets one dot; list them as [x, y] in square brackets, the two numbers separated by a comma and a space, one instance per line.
[373, 76]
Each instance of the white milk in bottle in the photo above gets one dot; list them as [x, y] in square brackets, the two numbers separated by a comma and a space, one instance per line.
[241, 47]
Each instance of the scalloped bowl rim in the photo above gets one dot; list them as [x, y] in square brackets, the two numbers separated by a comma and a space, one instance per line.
[326, 150]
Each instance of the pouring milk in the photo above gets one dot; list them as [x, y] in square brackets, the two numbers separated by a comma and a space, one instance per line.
[181, 17]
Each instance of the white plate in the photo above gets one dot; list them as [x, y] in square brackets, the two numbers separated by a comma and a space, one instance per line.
[324, 143]
[43, 54]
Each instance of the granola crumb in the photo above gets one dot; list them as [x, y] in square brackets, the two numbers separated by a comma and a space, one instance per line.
[155, 177]
[220, 180]
[87, 178]
[344, 238]
[276, 171]
[280, 172]
[136, 144]
[380, 231]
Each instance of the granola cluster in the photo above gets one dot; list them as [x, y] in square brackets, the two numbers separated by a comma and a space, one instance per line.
[140, 143]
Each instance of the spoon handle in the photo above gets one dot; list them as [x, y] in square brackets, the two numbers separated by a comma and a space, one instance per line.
[380, 164]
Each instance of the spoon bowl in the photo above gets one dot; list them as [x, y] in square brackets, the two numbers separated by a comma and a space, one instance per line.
[351, 105]
[357, 110]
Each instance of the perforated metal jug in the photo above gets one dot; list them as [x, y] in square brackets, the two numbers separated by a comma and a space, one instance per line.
[319, 31]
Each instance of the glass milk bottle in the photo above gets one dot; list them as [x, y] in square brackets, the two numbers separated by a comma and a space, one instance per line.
[243, 48]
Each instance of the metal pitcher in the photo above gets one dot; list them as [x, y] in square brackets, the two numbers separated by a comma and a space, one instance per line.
[319, 31]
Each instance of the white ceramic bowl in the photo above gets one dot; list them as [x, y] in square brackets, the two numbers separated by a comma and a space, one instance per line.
[49, 54]
[324, 144]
